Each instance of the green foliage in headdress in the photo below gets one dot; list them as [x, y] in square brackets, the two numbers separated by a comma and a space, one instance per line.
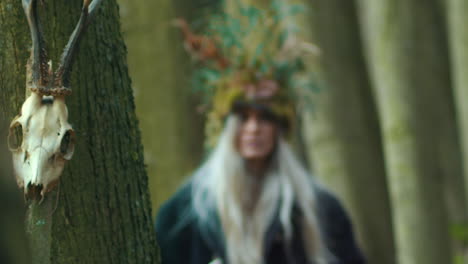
[259, 44]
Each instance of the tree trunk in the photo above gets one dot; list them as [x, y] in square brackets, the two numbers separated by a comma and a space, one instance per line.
[405, 52]
[171, 127]
[342, 131]
[458, 38]
[100, 212]
[449, 144]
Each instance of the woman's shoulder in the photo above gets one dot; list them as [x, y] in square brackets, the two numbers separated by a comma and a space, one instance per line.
[175, 208]
[178, 233]
[327, 202]
[179, 198]
[337, 228]
[332, 215]
[173, 230]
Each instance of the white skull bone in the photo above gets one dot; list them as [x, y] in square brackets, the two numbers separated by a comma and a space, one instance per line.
[47, 142]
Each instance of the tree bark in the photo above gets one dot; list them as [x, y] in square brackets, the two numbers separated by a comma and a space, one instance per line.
[342, 131]
[100, 213]
[405, 53]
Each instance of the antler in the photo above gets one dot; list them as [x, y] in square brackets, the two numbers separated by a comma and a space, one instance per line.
[38, 66]
[62, 75]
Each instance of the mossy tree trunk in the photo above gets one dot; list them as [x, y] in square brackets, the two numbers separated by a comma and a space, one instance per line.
[342, 131]
[172, 129]
[458, 38]
[405, 44]
[100, 213]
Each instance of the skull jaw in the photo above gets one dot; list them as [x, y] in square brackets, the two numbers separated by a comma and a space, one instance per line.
[38, 192]
[35, 184]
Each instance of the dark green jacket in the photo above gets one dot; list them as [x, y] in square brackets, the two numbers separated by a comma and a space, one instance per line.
[183, 241]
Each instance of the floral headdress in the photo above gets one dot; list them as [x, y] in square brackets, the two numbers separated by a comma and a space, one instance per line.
[249, 57]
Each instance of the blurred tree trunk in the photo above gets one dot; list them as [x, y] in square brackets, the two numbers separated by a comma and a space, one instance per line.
[458, 38]
[406, 49]
[101, 211]
[171, 127]
[451, 143]
[342, 131]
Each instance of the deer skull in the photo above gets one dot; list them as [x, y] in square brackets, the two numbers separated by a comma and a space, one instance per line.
[48, 141]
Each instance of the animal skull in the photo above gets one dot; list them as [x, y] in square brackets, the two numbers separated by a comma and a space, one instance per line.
[48, 141]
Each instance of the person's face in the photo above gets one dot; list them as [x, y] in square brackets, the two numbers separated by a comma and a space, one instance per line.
[256, 136]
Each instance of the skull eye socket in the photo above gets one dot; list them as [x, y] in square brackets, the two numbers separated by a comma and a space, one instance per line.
[15, 136]
[67, 144]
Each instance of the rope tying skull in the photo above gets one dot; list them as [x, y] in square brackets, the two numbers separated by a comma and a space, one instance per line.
[47, 140]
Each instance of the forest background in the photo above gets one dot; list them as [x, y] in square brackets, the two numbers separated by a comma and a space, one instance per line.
[387, 130]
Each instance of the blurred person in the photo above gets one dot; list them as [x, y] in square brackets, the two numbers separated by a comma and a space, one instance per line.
[251, 201]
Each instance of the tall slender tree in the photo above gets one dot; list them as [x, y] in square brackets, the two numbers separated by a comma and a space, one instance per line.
[342, 131]
[405, 49]
[100, 213]
[458, 38]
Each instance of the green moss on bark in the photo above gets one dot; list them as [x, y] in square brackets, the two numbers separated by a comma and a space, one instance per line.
[103, 213]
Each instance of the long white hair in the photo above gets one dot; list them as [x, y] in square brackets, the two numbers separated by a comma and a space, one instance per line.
[223, 185]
